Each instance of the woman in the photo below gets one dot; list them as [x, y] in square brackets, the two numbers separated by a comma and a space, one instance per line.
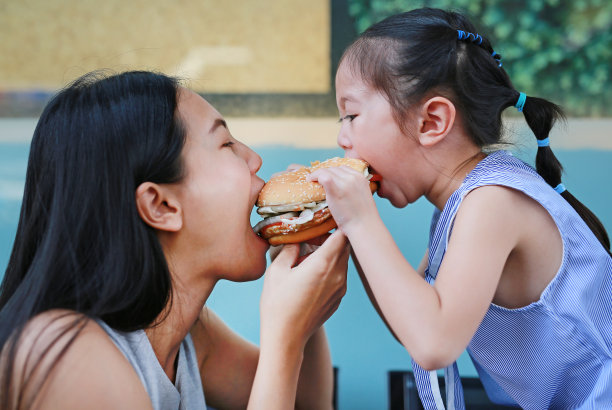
[137, 201]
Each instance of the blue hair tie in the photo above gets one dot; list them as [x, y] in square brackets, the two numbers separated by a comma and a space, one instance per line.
[560, 188]
[543, 143]
[465, 35]
[493, 54]
[476, 39]
[521, 102]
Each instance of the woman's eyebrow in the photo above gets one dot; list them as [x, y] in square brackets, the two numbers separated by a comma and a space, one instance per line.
[219, 122]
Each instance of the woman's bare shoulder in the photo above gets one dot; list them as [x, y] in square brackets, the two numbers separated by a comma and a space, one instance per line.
[66, 360]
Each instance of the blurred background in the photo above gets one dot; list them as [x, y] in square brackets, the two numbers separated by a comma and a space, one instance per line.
[268, 67]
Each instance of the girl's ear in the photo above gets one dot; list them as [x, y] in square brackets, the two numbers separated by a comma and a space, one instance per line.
[436, 119]
[158, 207]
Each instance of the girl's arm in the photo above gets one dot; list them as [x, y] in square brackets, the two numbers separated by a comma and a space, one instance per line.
[434, 323]
[368, 289]
[371, 296]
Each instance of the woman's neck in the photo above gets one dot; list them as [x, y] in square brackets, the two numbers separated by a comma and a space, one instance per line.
[184, 309]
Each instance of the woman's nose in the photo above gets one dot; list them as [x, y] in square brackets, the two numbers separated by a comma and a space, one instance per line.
[254, 160]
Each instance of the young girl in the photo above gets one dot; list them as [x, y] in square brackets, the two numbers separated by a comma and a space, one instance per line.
[137, 202]
[517, 270]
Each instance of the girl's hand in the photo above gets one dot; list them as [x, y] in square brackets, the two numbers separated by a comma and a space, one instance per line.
[290, 168]
[297, 300]
[348, 195]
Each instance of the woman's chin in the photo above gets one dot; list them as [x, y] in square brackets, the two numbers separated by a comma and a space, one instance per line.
[256, 254]
[252, 272]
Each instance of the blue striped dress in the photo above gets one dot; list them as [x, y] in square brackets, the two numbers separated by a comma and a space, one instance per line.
[555, 352]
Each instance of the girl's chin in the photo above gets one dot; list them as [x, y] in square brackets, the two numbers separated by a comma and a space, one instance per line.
[398, 201]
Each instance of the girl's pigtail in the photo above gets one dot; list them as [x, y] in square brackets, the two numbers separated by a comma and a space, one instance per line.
[541, 116]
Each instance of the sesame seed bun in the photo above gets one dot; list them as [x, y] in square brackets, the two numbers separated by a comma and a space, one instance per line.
[292, 187]
[289, 191]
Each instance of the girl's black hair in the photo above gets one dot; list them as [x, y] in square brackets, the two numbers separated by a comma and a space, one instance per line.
[410, 55]
[80, 243]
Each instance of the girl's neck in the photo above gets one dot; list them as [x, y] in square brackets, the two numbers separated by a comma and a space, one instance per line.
[451, 177]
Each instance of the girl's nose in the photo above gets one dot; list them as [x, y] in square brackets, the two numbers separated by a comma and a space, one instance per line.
[344, 141]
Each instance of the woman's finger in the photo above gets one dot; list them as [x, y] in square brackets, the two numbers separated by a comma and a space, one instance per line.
[331, 248]
[274, 251]
[287, 256]
[318, 241]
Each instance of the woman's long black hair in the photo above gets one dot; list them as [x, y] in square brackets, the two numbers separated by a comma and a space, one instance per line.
[80, 243]
[408, 55]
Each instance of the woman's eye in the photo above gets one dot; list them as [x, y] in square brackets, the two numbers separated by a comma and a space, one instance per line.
[349, 117]
[228, 144]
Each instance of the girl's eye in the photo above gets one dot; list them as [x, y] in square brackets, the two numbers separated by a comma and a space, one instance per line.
[228, 144]
[349, 117]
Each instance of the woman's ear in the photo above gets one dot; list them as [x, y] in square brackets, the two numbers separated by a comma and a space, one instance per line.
[437, 117]
[158, 207]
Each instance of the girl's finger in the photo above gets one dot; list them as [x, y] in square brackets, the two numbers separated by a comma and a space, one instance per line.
[290, 168]
[294, 167]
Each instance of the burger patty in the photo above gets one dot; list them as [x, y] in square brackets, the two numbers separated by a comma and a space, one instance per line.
[280, 228]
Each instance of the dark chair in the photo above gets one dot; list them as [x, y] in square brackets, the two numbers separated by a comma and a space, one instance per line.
[335, 397]
[403, 393]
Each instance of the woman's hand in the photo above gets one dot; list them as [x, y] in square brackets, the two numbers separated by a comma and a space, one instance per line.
[298, 298]
[348, 196]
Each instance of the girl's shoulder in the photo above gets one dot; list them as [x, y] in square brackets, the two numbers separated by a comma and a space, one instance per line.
[64, 359]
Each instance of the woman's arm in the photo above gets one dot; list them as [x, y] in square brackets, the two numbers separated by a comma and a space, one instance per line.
[295, 304]
[316, 383]
[227, 361]
[292, 368]
[88, 372]
[228, 364]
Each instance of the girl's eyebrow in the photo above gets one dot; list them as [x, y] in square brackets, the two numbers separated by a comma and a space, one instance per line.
[349, 96]
[346, 98]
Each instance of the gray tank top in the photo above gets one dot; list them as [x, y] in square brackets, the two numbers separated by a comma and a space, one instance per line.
[186, 393]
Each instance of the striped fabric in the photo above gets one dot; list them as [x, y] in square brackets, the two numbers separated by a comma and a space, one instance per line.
[553, 353]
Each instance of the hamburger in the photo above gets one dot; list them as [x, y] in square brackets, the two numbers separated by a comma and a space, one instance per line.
[294, 209]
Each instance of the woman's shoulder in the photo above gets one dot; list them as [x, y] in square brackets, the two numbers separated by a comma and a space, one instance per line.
[64, 359]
